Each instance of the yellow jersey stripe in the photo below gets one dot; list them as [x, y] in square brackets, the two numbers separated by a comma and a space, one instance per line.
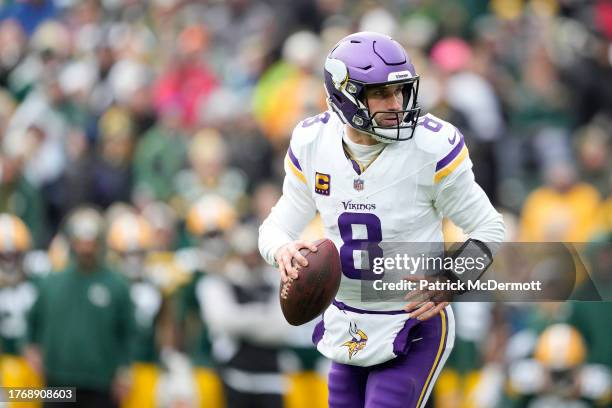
[296, 172]
[445, 171]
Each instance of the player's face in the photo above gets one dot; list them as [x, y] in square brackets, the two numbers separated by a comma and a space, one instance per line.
[86, 252]
[132, 264]
[385, 98]
[10, 268]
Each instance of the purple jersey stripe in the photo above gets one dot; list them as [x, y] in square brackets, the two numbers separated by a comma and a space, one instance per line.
[294, 159]
[403, 338]
[318, 332]
[355, 166]
[344, 306]
[454, 153]
[353, 162]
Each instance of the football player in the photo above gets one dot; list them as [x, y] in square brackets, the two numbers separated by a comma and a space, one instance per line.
[378, 172]
[248, 349]
[558, 374]
[18, 292]
[208, 223]
[129, 238]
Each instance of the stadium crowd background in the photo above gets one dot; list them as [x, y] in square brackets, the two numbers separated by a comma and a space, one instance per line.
[172, 119]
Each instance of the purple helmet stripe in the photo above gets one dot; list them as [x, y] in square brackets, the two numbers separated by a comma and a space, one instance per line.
[294, 159]
[451, 156]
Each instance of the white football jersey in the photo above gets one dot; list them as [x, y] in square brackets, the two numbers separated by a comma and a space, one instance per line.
[401, 197]
[15, 303]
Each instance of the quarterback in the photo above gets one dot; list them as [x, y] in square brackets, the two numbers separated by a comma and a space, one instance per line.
[378, 172]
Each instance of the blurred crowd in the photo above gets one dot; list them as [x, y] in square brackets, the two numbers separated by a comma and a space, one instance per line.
[141, 145]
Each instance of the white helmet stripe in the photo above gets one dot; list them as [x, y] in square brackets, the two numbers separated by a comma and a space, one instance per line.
[338, 71]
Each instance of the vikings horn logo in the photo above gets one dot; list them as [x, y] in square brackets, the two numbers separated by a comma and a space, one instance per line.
[357, 342]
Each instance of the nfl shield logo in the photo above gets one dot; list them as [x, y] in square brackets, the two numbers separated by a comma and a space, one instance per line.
[358, 184]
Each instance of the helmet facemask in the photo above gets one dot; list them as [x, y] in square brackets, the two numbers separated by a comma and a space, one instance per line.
[406, 117]
[353, 93]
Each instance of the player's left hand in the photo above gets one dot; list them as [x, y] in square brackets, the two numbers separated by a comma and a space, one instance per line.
[426, 303]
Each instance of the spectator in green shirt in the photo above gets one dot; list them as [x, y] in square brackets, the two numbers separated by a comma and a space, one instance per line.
[18, 196]
[80, 326]
[159, 156]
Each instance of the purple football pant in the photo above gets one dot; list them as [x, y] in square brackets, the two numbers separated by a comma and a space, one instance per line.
[404, 382]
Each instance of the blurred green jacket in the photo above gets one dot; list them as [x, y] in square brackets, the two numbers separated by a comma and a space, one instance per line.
[82, 323]
[160, 155]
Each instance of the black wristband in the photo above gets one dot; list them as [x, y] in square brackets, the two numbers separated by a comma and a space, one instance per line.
[481, 258]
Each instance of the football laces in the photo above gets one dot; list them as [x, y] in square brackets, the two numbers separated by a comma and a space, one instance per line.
[285, 289]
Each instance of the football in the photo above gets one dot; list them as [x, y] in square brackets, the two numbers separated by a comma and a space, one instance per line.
[306, 297]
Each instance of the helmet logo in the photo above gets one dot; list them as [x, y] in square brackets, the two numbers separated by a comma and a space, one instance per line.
[395, 76]
[338, 71]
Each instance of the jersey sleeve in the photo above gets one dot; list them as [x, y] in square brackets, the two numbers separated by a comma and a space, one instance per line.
[458, 197]
[444, 148]
[456, 194]
[293, 169]
[453, 159]
[294, 209]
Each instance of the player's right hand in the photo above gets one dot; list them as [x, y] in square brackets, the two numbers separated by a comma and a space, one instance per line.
[289, 258]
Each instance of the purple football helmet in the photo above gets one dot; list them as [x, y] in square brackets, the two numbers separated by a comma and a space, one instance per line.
[368, 59]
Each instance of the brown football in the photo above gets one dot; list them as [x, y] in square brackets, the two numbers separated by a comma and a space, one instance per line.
[311, 293]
